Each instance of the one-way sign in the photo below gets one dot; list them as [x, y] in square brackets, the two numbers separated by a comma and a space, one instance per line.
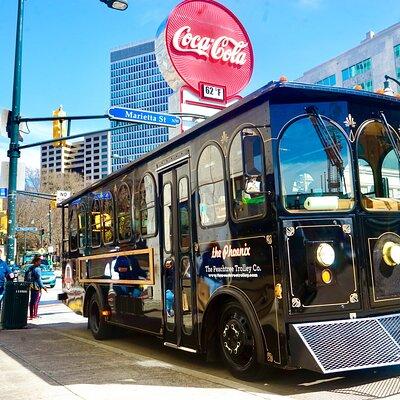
[144, 117]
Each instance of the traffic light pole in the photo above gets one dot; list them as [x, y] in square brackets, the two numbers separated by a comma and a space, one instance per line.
[50, 238]
[13, 128]
[13, 151]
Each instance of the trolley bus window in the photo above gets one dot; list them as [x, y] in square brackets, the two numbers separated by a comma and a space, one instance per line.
[391, 175]
[107, 218]
[127, 266]
[147, 212]
[366, 178]
[379, 167]
[246, 168]
[95, 223]
[82, 226]
[184, 214]
[167, 202]
[212, 206]
[313, 180]
[73, 229]
[124, 219]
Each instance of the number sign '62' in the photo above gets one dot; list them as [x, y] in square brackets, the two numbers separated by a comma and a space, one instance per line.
[214, 92]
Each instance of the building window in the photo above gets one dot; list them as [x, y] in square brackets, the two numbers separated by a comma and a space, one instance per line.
[396, 50]
[328, 81]
[210, 170]
[357, 69]
[367, 85]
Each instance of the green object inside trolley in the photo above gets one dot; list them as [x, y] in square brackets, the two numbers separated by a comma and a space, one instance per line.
[253, 200]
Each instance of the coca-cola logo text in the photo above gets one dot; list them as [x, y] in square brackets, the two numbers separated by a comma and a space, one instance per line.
[222, 48]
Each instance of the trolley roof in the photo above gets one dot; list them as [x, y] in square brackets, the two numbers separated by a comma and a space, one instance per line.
[274, 91]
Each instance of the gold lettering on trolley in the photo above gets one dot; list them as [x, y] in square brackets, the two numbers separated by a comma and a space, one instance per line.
[229, 251]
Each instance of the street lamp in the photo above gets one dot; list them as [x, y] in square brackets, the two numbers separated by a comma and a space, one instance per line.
[121, 5]
[13, 128]
[386, 85]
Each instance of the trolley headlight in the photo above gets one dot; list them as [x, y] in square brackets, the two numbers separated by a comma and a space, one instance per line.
[391, 253]
[325, 255]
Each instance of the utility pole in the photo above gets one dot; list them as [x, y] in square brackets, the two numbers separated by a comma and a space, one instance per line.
[13, 151]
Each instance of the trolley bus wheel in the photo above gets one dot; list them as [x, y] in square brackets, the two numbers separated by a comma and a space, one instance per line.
[239, 345]
[97, 322]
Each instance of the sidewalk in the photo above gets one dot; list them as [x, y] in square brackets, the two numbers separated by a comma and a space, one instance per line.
[46, 362]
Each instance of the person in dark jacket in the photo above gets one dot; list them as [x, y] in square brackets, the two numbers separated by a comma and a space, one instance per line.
[36, 286]
[128, 268]
[5, 273]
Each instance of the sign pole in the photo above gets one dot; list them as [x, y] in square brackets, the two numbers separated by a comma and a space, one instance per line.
[49, 225]
[14, 152]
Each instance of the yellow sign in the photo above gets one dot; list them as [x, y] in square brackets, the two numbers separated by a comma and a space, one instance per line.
[3, 222]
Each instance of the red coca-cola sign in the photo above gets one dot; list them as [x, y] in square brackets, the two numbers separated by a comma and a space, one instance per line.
[205, 45]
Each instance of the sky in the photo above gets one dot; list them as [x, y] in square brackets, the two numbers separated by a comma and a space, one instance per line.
[67, 44]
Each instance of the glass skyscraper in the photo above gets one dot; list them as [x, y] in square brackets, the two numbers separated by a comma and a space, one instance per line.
[136, 82]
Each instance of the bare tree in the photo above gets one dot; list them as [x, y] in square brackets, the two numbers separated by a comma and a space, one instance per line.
[32, 179]
[37, 212]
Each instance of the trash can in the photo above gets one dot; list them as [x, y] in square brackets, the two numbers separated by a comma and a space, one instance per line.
[14, 309]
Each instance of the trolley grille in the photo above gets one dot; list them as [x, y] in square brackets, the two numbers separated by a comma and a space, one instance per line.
[352, 344]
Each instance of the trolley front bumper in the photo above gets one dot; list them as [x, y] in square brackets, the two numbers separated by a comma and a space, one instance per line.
[345, 345]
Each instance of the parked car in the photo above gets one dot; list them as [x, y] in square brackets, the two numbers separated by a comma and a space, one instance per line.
[48, 275]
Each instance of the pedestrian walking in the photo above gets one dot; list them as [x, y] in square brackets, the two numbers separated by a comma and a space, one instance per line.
[5, 273]
[34, 276]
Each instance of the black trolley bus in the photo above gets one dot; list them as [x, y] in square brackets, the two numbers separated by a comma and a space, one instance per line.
[268, 234]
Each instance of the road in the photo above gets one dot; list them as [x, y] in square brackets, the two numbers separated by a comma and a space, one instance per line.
[170, 370]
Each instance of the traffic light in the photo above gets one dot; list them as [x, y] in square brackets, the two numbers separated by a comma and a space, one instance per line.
[42, 232]
[59, 126]
[53, 204]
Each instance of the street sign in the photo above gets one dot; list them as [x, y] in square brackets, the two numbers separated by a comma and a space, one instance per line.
[144, 117]
[62, 195]
[26, 229]
[4, 116]
[3, 192]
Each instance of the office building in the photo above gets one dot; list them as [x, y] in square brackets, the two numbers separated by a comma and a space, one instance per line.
[97, 157]
[136, 82]
[365, 65]
[89, 157]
